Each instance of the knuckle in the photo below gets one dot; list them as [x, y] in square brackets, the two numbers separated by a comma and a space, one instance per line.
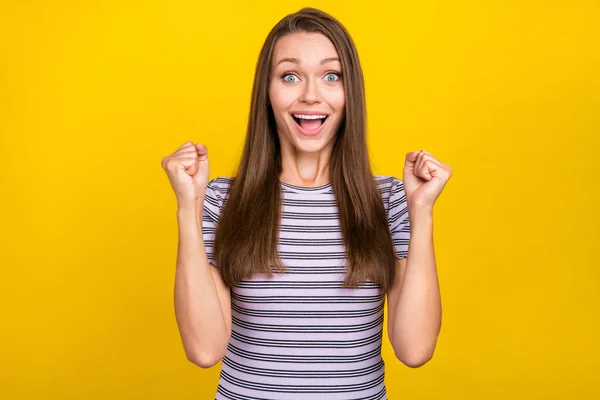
[170, 162]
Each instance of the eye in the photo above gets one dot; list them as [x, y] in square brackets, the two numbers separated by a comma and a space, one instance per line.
[332, 76]
[290, 78]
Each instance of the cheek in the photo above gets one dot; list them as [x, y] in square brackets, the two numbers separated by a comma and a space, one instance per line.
[280, 97]
[337, 100]
[273, 99]
[278, 104]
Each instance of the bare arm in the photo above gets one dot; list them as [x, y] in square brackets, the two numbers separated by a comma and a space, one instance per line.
[202, 299]
[414, 304]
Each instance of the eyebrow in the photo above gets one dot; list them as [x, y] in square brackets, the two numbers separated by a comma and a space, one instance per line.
[296, 61]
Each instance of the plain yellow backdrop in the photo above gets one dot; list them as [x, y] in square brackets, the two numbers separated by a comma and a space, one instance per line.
[94, 93]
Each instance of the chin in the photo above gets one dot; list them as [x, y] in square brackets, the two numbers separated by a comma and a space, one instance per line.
[309, 148]
[311, 144]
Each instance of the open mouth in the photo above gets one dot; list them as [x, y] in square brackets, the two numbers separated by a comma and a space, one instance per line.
[310, 122]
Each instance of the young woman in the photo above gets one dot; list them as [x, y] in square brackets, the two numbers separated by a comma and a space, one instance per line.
[282, 270]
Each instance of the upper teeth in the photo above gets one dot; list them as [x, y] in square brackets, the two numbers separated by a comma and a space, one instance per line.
[309, 116]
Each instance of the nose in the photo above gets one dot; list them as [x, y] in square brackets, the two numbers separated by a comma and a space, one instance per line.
[311, 93]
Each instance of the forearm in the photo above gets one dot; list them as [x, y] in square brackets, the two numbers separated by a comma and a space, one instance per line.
[197, 308]
[417, 321]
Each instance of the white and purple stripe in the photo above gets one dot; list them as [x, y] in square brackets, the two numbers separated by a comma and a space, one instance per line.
[302, 334]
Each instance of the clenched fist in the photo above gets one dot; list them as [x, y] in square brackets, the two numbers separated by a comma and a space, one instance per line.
[187, 169]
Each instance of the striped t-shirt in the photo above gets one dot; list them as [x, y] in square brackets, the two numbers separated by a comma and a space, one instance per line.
[301, 334]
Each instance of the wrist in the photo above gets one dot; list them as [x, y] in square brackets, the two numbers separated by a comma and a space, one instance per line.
[420, 213]
[191, 202]
[189, 218]
[190, 206]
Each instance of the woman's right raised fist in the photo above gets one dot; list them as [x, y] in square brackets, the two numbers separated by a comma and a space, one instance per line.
[187, 169]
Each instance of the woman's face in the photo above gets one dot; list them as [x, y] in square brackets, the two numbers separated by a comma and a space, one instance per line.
[306, 92]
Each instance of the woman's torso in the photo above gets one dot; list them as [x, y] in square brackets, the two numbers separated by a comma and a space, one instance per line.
[301, 335]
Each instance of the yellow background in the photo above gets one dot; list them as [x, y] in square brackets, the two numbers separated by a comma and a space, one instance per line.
[94, 93]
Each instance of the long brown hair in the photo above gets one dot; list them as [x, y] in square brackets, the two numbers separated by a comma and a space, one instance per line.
[247, 236]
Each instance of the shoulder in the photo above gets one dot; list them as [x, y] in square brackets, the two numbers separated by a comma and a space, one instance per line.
[220, 184]
[393, 196]
[388, 185]
[219, 187]
[216, 193]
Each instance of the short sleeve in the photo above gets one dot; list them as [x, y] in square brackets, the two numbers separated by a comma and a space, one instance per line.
[398, 218]
[213, 204]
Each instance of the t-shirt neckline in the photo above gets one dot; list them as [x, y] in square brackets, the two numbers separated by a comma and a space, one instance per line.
[306, 189]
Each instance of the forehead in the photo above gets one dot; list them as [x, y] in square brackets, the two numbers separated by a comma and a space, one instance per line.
[306, 47]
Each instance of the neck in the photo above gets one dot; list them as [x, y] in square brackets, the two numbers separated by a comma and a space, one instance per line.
[305, 169]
